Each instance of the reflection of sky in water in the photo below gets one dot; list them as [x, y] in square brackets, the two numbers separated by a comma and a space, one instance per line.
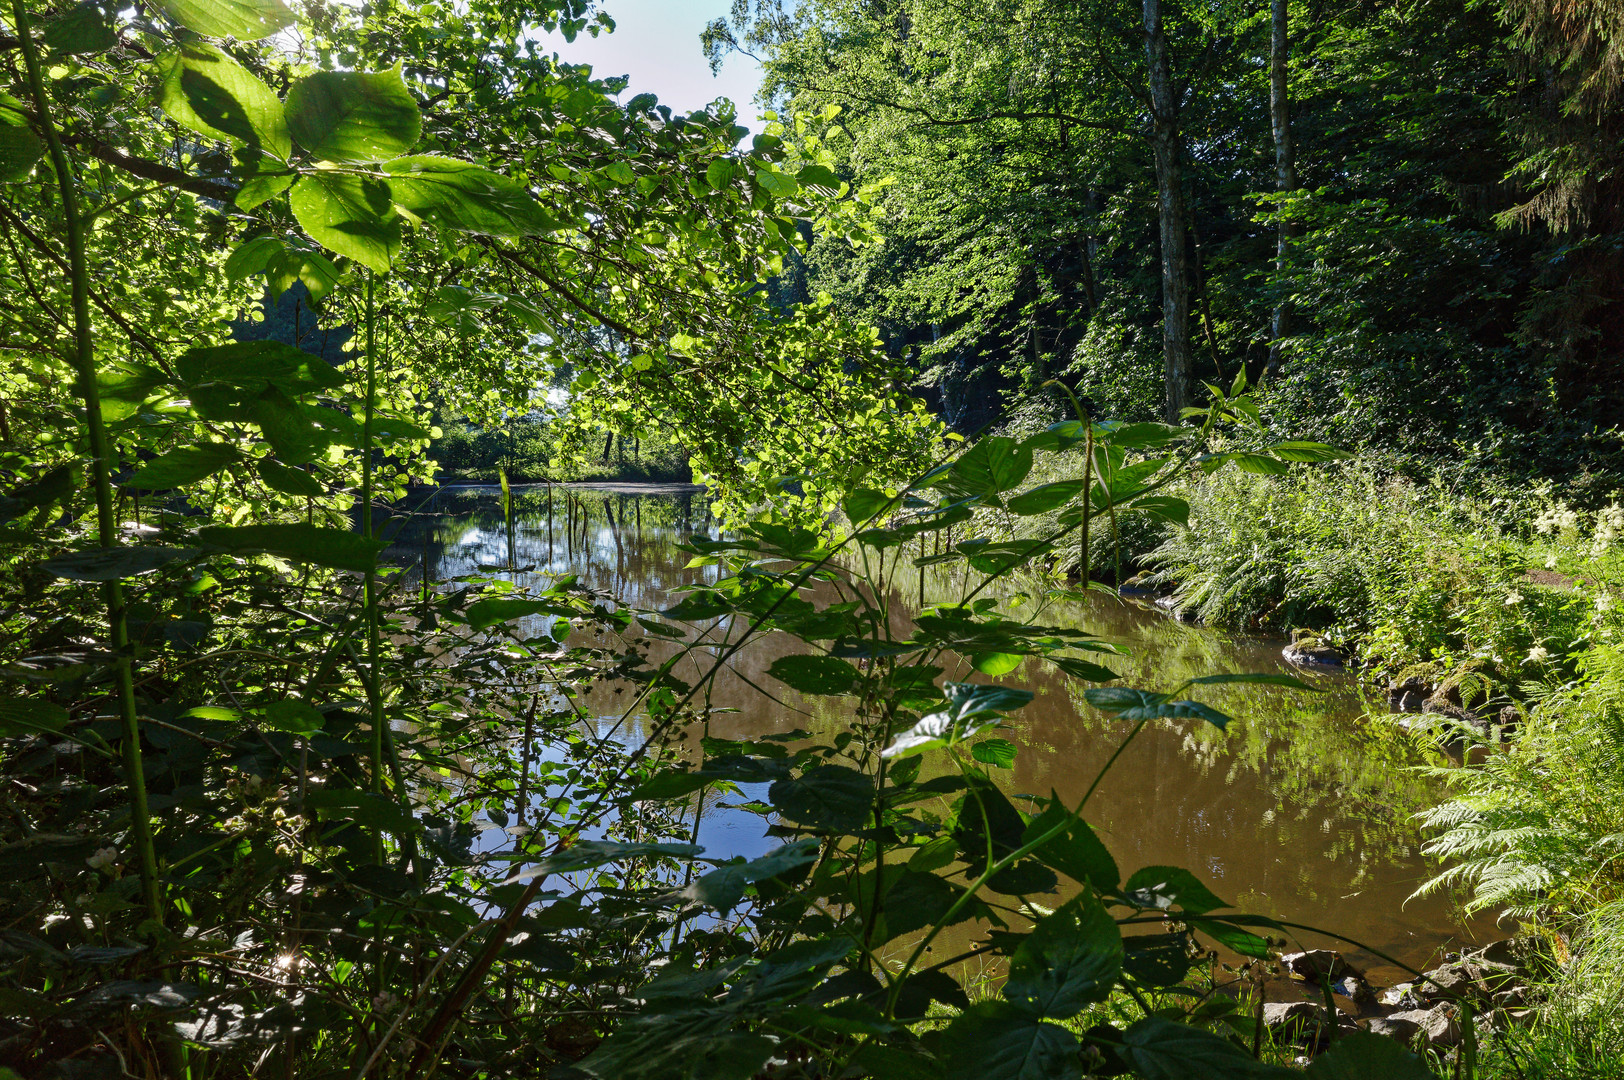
[1300, 810]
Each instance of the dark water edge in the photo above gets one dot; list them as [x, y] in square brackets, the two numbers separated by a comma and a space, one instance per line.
[1301, 810]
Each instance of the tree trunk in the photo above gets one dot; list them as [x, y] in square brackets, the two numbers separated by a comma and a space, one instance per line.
[1285, 168]
[1167, 146]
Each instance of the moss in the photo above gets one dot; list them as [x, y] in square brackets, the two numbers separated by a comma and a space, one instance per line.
[1426, 673]
[1471, 684]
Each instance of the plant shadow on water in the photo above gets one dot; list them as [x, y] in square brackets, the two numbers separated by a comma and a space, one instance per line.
[1300, 811]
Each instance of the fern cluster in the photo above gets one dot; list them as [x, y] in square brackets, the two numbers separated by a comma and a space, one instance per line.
[1535, 826]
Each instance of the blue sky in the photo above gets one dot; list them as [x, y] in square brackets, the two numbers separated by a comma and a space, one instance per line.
[656, 43]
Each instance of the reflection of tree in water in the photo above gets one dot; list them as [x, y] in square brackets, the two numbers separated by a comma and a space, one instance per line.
[618, 543]
[1299, 810]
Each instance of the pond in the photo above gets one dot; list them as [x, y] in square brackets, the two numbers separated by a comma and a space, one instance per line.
[1300, 810]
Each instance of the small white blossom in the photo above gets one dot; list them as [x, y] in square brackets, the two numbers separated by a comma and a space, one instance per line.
[1538, 655]
[1513, 599]
[103, 859]
[1604, 601]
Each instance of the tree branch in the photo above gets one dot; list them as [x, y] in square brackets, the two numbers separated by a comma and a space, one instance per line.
[152, 170]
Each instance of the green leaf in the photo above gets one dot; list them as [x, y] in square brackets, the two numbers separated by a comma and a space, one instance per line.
[995, 464]
[1047, 497]
[291, 433]
[289, 481]
[999, 753]
[1169, 886]
[820, 179]
[81, 29]
[994, 1040]
[996, 663]
[720, 172]
[777, 184]
[822, 675]
[263, 187]
[1232, 937]
[1139, 436]
[1164, 507]
[203, 89]
[293, 716]
[1363, 1056]
[462, 196]
[1259, 463]
[1069, 960]
[298, 542]
[114, 564]
[25, 716]
[828, 797]
[978, 699]
[252, 257]
[351, 215]
[362, 807]
[245, 20]
[863, 504]
[1307, 451]
[1130, 704]
[724, 887]
[182, 466]
[1160, 1049]
[254, 366]
[353, 116]
[936, 731]
[1076, 852]
[20, 150]
[49, 487]
[489, 612]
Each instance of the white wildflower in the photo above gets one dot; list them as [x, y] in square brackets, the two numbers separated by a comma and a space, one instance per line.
[103, 859]
[1604, 601]
[1513, 598]
[1538, 655]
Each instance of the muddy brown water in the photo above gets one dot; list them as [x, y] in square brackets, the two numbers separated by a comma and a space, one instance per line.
[1301, 810]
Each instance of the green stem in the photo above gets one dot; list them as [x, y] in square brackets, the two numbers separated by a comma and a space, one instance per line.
[84, 362]
[374, 636]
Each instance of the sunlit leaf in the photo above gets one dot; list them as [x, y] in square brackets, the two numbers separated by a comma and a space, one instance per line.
[353, 116]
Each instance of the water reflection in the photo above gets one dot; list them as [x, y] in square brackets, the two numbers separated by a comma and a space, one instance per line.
[1300, 810]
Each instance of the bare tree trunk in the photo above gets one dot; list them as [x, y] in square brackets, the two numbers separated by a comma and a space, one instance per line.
[1285, 167]
[1091, 252]
[1167, 145]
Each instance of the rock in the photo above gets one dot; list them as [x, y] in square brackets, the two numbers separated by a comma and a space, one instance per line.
[1355, 989]
[1467, 687]
[1398, 1026]
[1312, 651]
[1171, 605]
[1435, 1025]
[1503, 952]
[1278, 1015]
[1512, 999]
[1472, 977]
[1302, 1022]
[1402, 996]
[1141, 584]
[1410, 701]
[1317, 965]
[1435, 707]
[1447, 983]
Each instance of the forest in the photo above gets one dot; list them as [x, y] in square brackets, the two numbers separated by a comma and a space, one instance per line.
[1091, 409]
